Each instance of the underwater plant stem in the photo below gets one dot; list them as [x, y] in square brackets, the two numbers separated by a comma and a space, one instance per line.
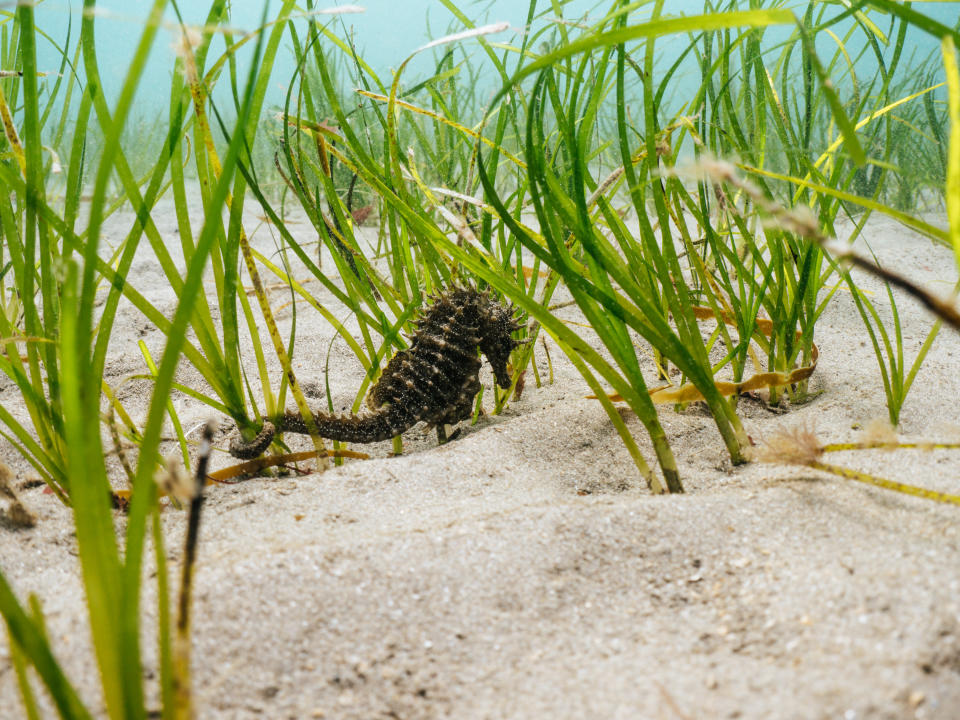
[723, 413]
[863, 477]
[945, 309]
[181, 653]
[666, 459]
[27, 635]
[199, 102]
[884, 445]
[662, 447]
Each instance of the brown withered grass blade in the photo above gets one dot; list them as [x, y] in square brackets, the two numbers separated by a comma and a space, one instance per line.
[689, 393]
[253, 466]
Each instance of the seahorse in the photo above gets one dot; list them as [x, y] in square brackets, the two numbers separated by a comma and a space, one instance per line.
[434, 380]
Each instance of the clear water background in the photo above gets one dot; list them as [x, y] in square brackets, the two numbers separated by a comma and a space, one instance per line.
[385, 34]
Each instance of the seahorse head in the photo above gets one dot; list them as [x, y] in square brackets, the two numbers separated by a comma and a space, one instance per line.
[497, 322]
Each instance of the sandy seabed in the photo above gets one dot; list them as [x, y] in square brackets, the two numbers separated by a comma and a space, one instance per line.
[525, 571]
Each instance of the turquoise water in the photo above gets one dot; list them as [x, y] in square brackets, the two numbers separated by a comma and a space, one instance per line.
[386, 33]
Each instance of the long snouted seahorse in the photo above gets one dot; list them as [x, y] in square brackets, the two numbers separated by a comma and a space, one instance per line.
[435, 380]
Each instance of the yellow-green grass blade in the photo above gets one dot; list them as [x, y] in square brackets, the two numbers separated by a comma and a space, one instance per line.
[915, 18]
[835, 145]
[651, 29]
[446, 121]
[164, 633]
[171, 409]
[868, 479]
[910, 221]
[953, 161]
[89, 495]
[37, 246]
[19, 661]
